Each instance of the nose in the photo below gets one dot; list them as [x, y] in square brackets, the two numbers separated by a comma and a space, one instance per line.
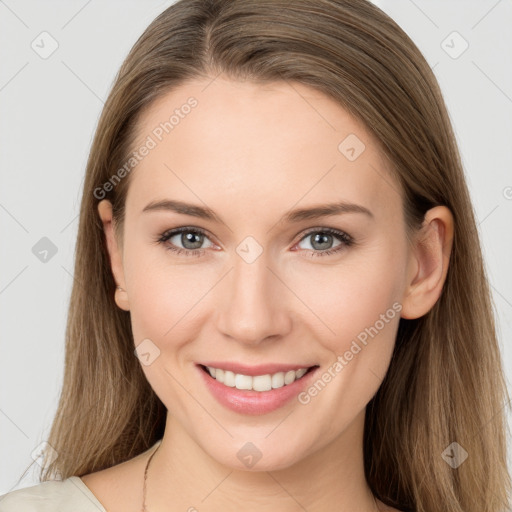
[254, 304]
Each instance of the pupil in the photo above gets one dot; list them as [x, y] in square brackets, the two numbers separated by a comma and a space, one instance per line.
[322, 239]
[188, 237]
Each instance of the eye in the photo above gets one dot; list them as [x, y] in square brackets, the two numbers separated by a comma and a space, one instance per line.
[191, 240]
[321, 240]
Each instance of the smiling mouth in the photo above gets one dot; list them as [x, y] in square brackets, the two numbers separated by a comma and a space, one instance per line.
[260, 383]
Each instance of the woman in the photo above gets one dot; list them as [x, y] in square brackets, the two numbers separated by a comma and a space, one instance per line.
[280, 301]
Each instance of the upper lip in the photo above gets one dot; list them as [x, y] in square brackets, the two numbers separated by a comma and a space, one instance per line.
[260, 369]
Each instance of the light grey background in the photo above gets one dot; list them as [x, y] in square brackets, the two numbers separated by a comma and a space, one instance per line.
[49, 110]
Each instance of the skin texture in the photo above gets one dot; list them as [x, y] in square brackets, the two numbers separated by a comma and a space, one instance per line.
[251, 153]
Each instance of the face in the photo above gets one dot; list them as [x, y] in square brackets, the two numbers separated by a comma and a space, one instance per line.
[253, 288]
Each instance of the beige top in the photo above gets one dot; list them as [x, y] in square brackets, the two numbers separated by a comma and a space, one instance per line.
[69, 495]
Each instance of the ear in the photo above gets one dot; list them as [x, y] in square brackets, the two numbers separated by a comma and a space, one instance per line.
[428, 264]
[115, 253]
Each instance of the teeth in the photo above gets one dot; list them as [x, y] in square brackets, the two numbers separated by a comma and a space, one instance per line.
[243, 381]
[258, 382]
[229, 379]
[277, 380]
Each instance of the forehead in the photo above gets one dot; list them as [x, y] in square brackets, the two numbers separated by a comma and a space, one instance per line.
[255, 147]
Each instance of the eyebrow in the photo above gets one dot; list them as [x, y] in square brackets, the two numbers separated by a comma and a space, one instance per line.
[296, 215]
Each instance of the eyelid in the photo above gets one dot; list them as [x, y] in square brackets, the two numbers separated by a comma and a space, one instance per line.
[324, 229]
[169, 233]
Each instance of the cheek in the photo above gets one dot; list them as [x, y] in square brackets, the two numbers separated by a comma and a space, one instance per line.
[162, 298]
[338, 300]
[346, 298]
[163, 294]
[359, 305]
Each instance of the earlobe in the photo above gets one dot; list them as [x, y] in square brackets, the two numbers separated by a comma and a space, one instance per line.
[114, 252]
[430, 259]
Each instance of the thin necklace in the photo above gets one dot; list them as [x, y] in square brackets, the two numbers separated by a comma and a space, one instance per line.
[146, 476]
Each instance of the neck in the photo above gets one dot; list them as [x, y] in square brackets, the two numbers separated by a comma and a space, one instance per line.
[183, 476]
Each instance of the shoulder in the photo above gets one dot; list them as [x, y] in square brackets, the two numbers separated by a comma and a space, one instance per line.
[70, 495]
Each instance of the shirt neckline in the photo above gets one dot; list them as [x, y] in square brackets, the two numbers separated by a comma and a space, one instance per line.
[82, 487]
[80, 484]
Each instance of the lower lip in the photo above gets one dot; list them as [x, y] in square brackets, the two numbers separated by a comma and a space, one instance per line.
[255, 402]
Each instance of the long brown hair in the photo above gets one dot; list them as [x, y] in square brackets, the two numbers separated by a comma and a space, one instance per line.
[445, 382]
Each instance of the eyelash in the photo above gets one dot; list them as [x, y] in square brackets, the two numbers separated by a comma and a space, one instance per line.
[346, 240]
